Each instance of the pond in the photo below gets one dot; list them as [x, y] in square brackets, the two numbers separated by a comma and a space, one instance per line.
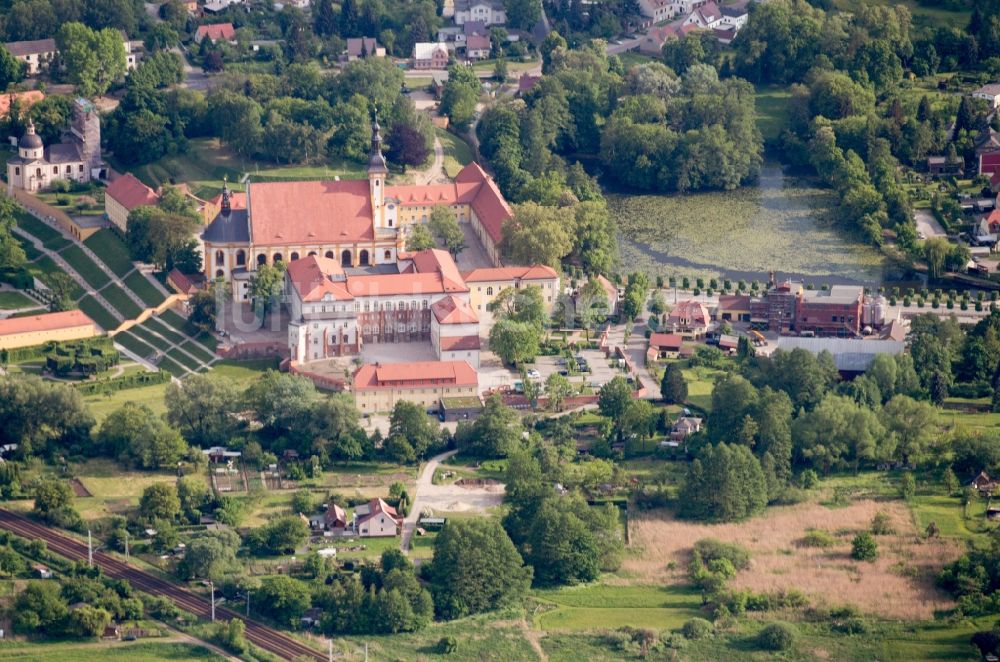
[781, 225]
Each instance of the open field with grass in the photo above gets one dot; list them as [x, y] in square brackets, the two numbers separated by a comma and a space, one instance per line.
[601, 606]
[97, 312]
[771, 102]
[12, 300]
[122, 302]
[239, 371]
[106, 479]
[84, 266]
[899, 584]
[152, 396]
[700, 382]
[49, 236]
[207, 162]
[457, 153]
[923, 15]
[779, 224]
[111, 250]
[101, 651]
[144, 289]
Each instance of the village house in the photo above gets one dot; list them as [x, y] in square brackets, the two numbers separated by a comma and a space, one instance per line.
[377, 519]
[477, 47]
[983, 484]
[684, 427]
[377, 388]
[41, 571]
[215, 32]
[729, 343]
[359, 47]
[430, 55]
[487, 12]
[123, 195]
[664, 346]
[939, 166]
[689, 317]
[733, 308]
[989, 93]
[526, 82]
[37, 54]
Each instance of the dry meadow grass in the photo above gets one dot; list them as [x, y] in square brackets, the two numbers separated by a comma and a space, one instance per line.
[900, 584]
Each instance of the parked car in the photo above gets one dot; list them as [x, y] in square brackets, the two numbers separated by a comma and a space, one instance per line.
[534, 374]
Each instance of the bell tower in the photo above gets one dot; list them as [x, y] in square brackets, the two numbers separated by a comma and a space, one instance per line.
[377, 171]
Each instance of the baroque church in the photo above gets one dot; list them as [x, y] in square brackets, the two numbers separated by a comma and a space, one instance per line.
[357, 223]
[36, 167]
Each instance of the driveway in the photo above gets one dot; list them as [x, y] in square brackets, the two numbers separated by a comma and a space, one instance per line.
[927, 225]
[445, 498]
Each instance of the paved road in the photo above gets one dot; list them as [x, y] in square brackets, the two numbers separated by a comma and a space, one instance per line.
[927, 225]
[424, 484]
[271, 640]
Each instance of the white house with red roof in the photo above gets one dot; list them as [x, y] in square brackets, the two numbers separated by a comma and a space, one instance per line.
[123, 195]
[455, 331]
[689, 317]
[215, 32]
[377, 519]
[360, 223]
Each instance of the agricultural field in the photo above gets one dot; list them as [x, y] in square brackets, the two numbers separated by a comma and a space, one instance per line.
[101, 651]
[779, 224]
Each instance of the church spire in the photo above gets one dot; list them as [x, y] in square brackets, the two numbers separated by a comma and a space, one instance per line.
[376, 162]
[226, 203]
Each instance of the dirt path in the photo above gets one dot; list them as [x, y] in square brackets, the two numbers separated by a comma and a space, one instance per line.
[534, 637]
[424, 483]
[435, 172]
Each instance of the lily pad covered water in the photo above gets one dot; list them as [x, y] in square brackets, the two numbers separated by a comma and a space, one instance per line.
[779, 225]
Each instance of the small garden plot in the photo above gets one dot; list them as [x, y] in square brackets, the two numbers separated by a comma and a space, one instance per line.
[42, 231]
[112, 251]
[97, 312]
[144, 289]
[12, 300]
[165, 330]
[150, 338]
[122, 302]
[183, 359]
[84, 266]
[172, 367]
[898, 584]
[127, 340]
[198, 350]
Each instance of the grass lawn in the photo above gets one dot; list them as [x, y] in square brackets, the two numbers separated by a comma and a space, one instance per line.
[198, 350]
[923, 15]
[99, 651]
[600, 606]
[84, 266]
[122, 302]
[46, 233]
[107, 479]
[457, 153]
[150, 339]
[165, 330]
[700, 382]
[240, 371]
[144, 289]
[30, 251]
[771, 102]
[183, 359]
[101, 405]
[947, 513]
[174, 320]
[42, 267]
[172, 367]
[514, 68]
[97, 312]
[207, 162]
[112, 251]
[12, 300]
[131, 342]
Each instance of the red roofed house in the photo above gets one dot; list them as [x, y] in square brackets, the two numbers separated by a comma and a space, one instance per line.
[486, 284]
[215, 32]
[358, 47]
[377, 388]
[48, 327]
[455, 331]
[664, 346]
[360, 223]
[526, 82]
[989, 165]
[123, 195]
[689, 317]
[477, 47]
[377, 518]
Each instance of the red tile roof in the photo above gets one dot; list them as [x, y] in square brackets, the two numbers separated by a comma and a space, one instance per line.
[130, 193]
[310, 278]
[67, 319]
[452, 310]
[402, 375]
[666, 340]
[295, 213]
[237, 200]
[694, 312]
[379, 507]
[492, 274]
[215, 32]
[459, 343]
[435, 260]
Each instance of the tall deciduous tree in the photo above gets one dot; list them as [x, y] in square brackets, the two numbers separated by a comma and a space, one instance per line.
[92, 59]
[11, 69]
[673, 388]
[407, 147]
[725, 483]
[202, 408]
[446, 229]
[537, 235]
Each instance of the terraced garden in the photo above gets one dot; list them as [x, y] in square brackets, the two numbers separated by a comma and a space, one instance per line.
[112, 252]
[84, 266]
[121, 301]
[144, 289]
[49, 236]
[97, 312]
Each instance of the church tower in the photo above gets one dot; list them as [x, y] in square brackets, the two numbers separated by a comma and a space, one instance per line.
[377, 171]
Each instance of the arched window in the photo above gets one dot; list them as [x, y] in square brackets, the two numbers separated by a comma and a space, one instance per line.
[277, 258]
[69, 169]
[345, 259]
[312, 253]
[261, 260]
[38, 172]
[388, 254]
[55, 170]
[295, 255]
[220, 258]
[489, 291]
[329, 254]
[363, 258]
[241, 258]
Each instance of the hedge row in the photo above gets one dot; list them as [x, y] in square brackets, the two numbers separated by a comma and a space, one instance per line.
[134, 380]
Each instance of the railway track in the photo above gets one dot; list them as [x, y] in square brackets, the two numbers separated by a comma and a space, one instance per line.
[262, 636]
